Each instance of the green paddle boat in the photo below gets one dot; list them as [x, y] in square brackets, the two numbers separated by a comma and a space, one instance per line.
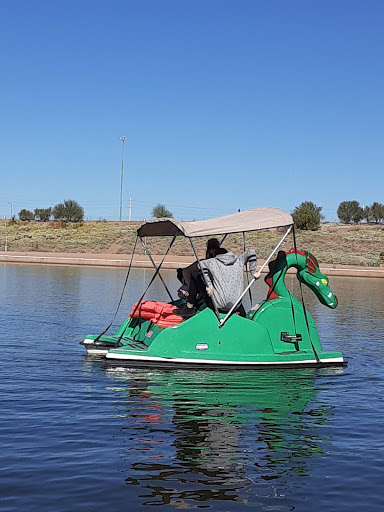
[278, 332]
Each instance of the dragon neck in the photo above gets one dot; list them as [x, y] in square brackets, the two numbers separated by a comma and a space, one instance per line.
[276, 278]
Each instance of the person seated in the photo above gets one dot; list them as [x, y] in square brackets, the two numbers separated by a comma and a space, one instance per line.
[192, 272]
[224, 276]
[193, 288]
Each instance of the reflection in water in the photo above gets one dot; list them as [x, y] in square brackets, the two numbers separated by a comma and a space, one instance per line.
[237, 436]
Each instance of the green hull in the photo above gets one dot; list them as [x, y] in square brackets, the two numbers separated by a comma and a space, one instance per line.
[256, 341]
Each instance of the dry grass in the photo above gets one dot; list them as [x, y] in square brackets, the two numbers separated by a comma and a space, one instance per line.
[352, 245]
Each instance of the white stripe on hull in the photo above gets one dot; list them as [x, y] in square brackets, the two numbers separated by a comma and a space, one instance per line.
[131, 357]
[95, 349]
[97, 352]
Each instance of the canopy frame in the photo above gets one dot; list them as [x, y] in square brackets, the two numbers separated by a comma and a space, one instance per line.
[170, 227]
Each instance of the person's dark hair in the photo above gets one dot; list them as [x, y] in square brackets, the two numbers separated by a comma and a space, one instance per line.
[221, 250]
[212, 246]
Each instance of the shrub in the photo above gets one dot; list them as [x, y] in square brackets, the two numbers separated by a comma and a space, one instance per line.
[307, 216]
[26, 215]
[43, 214]
[350, 211]
[69, 211]
[376, 212]
[160, 212]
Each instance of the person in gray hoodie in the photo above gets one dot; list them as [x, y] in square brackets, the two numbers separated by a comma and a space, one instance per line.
[224, 276]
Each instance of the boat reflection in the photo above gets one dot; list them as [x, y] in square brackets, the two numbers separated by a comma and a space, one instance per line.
[237, 436]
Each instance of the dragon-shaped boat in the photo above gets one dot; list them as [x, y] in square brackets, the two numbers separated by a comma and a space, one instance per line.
[277, 332]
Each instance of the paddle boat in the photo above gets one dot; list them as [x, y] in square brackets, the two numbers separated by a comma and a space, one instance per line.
[278, 332]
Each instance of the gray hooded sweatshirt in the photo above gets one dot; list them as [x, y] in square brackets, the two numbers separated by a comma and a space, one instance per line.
[225, 273]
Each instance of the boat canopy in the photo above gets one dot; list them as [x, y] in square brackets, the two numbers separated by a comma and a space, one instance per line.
[249, 220]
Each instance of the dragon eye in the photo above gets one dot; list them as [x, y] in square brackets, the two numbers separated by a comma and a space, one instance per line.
[324, 281]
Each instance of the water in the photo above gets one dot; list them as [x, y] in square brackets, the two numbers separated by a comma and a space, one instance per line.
[79, 435]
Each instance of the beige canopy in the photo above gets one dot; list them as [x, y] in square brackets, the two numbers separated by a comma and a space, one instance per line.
[249, 220]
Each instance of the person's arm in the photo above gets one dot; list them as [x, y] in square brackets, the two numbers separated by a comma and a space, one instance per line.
[207, 277]
[249, 256]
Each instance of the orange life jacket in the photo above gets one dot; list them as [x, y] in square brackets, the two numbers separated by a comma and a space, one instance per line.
[159, 313]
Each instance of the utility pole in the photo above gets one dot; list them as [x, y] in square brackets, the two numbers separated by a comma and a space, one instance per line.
[11, 209]
[121, 181]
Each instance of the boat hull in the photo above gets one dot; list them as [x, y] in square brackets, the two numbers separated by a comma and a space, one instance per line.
[199, 342]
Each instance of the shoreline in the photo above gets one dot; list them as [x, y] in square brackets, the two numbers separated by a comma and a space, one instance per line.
[141, 261]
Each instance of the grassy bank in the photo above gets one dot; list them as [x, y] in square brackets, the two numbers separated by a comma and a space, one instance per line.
[347, 245]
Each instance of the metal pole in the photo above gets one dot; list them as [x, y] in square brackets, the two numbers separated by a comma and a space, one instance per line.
[5, 223]
[246, 268]
[222, 240]
[11, 209]
[130, 209]
[122, 174]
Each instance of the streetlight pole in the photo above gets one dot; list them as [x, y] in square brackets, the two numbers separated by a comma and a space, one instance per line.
[121, 181]
[11, 208]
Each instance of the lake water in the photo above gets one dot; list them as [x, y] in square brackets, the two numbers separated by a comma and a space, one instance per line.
[79, 435]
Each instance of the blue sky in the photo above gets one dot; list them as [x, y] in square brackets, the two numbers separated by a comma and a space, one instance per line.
[224, 104]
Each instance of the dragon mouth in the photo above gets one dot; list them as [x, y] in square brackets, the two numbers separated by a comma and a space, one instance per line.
[333, 304]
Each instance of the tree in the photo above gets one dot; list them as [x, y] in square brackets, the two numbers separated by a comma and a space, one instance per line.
[307, 216]
[69, 211]
[358, 215]
[350, 211]
[26, 215]
[160, 212]
[367, 213]
[376, 212]
[43, 214]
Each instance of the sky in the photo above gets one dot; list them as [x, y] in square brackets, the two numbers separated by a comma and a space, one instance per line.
[225, 105]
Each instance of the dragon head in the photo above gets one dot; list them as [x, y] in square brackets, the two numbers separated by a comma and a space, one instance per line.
[317, 281]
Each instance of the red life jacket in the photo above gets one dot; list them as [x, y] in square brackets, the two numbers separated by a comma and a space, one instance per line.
[159, 313]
